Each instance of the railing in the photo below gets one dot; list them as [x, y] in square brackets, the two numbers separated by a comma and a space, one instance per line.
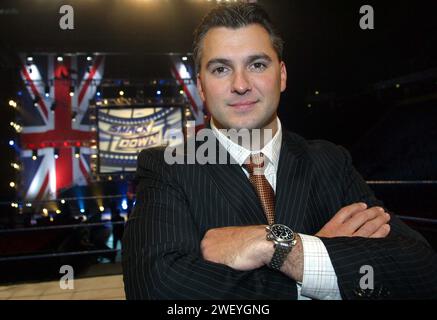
[59, 254]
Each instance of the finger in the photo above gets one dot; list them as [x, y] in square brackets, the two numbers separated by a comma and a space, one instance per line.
[372, 226]
[346, 212]
[382, 232]
[360, 218]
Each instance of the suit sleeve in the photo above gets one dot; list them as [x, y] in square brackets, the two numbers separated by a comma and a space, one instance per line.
[403, 263]
[161, 249]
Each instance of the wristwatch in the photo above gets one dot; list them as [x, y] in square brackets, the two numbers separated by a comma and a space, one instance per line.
[284, 240]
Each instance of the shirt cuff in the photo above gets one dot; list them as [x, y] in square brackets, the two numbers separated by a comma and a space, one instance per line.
[319, 278]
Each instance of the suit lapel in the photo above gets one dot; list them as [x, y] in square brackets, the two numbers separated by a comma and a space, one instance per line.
[292, 188]
[235, 186]
[293, 184]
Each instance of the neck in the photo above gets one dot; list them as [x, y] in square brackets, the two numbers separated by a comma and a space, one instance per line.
[252, 139]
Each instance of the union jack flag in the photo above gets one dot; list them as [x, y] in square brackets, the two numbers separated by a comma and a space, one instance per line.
[181, 72]
[56, 128]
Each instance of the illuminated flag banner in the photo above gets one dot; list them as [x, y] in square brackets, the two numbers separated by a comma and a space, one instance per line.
[124, 132]
[55, 120]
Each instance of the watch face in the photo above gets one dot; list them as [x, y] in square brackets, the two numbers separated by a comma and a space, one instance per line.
[282, 233]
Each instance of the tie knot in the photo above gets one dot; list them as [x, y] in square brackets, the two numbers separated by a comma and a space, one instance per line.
[255, 164]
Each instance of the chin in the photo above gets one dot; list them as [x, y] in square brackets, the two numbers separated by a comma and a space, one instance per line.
[248, 121]
[245, 124]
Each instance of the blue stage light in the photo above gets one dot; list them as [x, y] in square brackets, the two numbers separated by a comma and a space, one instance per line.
[124, 204]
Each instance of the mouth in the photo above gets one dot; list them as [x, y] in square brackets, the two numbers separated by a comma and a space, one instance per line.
[243, 105]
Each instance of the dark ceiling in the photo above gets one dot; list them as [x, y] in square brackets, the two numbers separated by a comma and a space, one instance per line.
[325, 48]
[324, 45]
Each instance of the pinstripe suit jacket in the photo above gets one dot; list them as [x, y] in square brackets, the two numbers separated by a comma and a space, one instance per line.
[177, 204]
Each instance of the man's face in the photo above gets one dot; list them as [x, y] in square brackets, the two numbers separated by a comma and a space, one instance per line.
[241, 77]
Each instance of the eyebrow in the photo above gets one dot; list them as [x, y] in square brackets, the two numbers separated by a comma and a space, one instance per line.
[248, 60]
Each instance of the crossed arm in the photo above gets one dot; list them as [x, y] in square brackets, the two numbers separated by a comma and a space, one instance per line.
[246, 248]
[165, 257]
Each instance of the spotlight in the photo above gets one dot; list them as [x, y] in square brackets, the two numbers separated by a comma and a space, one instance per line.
[124, 204]
[53, 107]
[101, 208]
[77, 152]
[29, 59]
[36, 100]
[11, 142]
[56, 153]
[16, 126]
[12, 184]
[184, 58]
[62, 201]
[73, 115]
[158, 92]
[16, 166]
[47, 91]
[99, 91]
[59, 58]
[71, 91]
[121, 93]
[89, 58]
[34, 154]
[12, 103]
[82, 210]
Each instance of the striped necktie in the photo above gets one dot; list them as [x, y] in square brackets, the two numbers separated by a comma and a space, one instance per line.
[264, 190]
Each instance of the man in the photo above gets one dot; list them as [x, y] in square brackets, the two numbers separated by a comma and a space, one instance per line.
[199, 231]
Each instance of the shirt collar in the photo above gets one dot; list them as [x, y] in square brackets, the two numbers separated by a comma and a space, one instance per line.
[271, 150]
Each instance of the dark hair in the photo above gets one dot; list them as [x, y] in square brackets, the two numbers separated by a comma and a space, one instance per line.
[235, 15]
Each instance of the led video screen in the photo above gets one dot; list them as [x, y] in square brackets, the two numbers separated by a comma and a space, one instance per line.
[124, 132]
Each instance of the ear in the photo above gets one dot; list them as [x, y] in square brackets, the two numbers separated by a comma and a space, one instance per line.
[283, 76]
[200, 89]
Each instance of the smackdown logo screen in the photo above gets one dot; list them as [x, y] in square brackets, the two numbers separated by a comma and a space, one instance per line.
[124, 132]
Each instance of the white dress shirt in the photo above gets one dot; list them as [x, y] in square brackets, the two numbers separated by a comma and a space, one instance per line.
[319, 278]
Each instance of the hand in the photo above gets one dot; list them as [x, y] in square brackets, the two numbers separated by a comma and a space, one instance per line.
[241, 248]
[356, 220]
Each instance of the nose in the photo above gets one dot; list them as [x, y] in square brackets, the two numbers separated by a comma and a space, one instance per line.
[240, 83]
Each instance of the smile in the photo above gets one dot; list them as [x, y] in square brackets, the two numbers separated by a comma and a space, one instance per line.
[243, 105]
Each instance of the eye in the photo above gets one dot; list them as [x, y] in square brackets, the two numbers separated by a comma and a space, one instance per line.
[219, 70]
[258, 66]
